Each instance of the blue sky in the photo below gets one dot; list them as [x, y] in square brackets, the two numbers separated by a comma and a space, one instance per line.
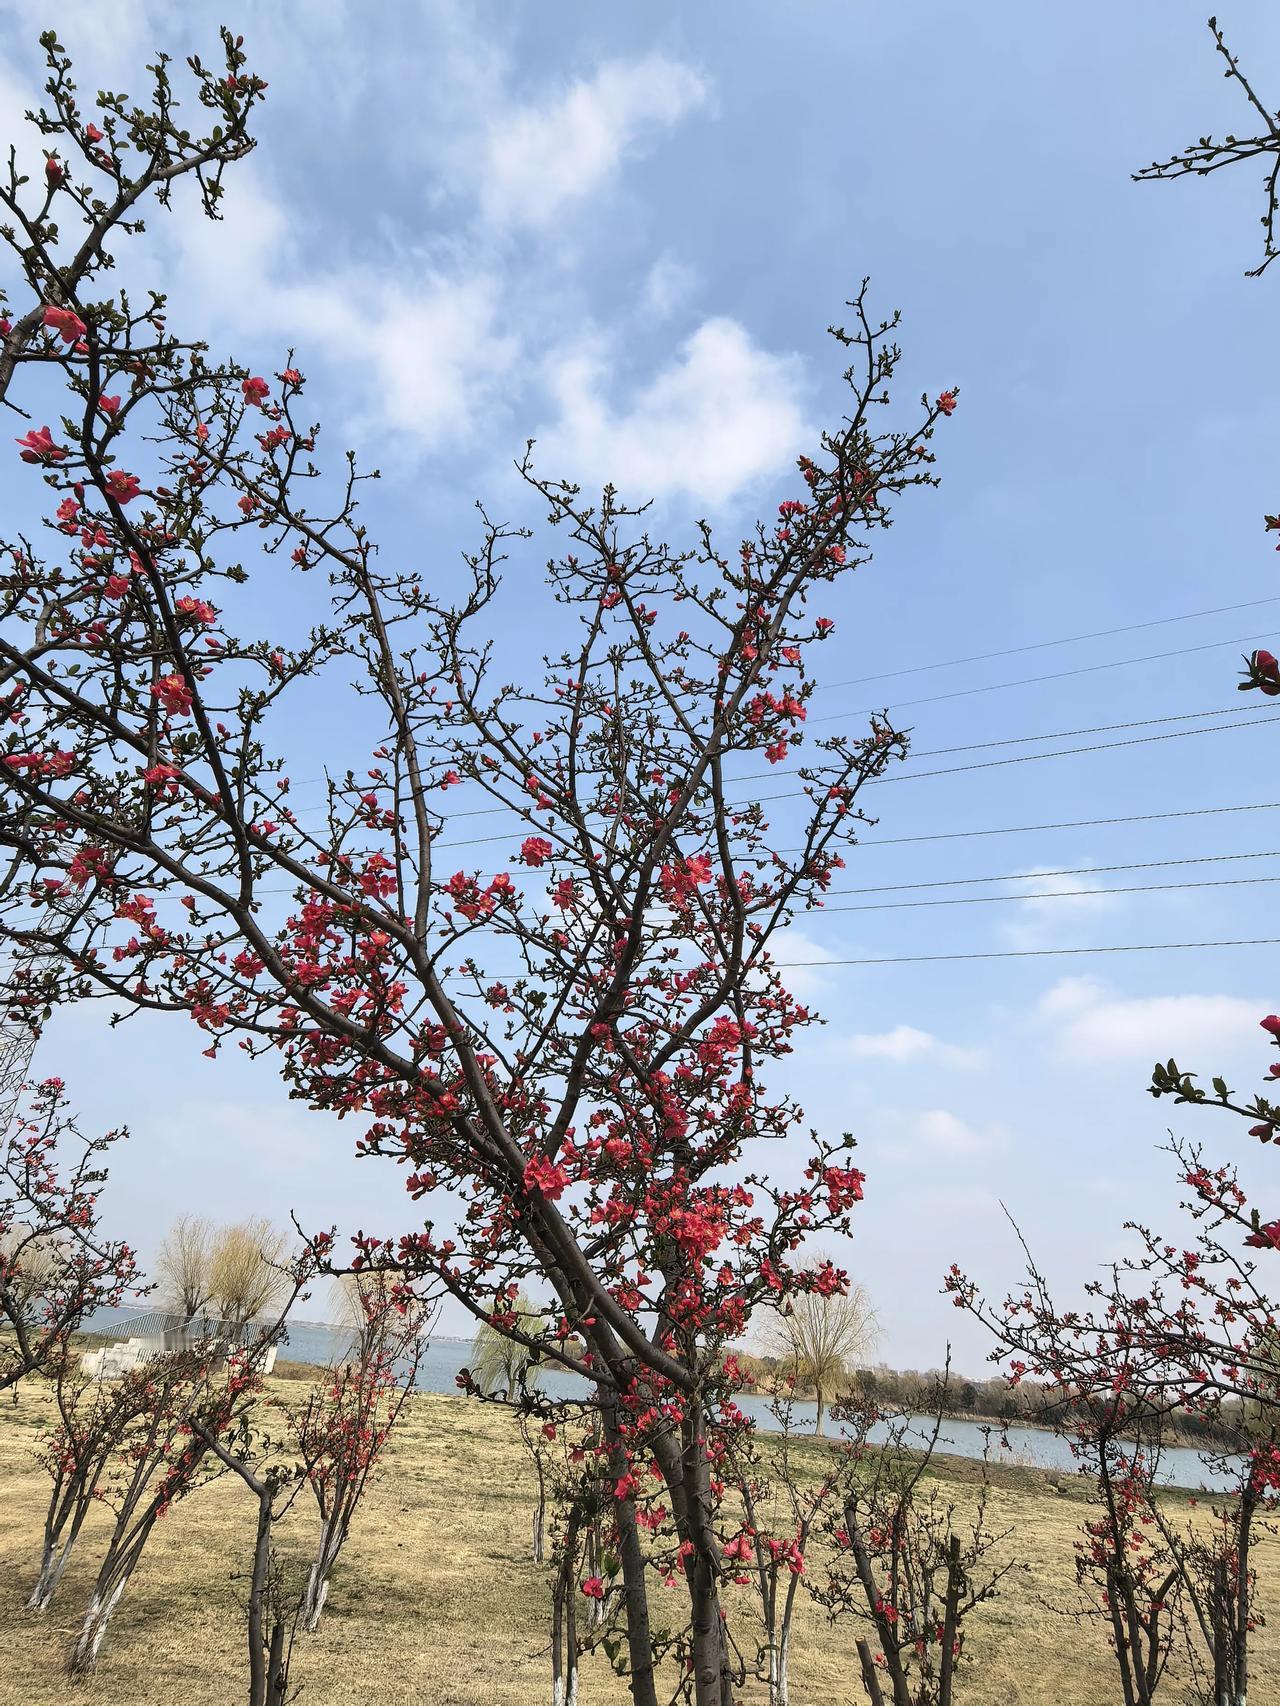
[622, 230]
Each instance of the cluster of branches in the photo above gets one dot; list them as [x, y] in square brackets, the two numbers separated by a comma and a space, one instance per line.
[58, 1267]
[1208, 154]
[137, 1445]
[331, 1444]
[856, 1527]
[1167, 1332]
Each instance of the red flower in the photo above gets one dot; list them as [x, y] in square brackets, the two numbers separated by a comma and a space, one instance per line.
[109, 405]
[255, 391]
[92, 133]
[123, 487]
[174, 694]
[53, 169]
[535, 850]
[38, 446]
[947, 402]
[1267, 672]
[593, 1587]
[65, 322]
[680, 880]
[544, 1176]
[1271, 1023]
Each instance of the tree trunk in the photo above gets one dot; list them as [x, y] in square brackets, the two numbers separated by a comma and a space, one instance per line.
[277, 1668]
[316, 1596]
[258, 1667]
[540, 1514]
[870, 1681]
[84, 1655]
[778, 1684]
[822, 1404]
[52, 1564]
[884, 1627]
[950, 1620]
[317, 1589]
[635, 1586]
[1248, 1503]
[711, 1683]
[564, 1628]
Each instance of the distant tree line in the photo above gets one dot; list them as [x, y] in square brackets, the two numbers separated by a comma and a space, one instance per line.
[1032, 1403]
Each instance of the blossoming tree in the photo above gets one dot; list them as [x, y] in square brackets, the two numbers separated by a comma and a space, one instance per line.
[568, 1046]
[57, 1266]
[342, 1430]
[1169, 1331]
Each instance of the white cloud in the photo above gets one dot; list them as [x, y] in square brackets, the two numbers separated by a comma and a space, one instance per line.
[720, 416]
[535, 160]
[668, 284]
[1088, 1021]
[430, 355]
[423, 349]
[905, 1043]
[1039, 921]
[803, 960]
[935, 1134]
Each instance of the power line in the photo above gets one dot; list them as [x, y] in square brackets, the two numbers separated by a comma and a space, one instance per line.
[1070, 734]
[1024, 954]
[1019, 740]
[931, 752]
[937, 752]
[1012, 829]
[1040, 645]
[1056, 894]
[1026, 758]
[1073, 871]
[1078, 823]
[996, 954]
[1029, 680]
[955, 769]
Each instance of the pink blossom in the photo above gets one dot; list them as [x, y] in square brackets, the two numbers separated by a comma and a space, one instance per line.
[38, 446]
[65, 322]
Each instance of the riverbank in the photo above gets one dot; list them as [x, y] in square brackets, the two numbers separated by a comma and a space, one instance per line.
[437, 1601]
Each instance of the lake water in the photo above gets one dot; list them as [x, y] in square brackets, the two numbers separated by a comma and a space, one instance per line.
[1181, 1466]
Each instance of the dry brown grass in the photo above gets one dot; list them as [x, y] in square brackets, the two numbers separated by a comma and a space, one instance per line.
[436, 1603]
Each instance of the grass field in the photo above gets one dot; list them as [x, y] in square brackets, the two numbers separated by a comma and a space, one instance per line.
[436, 1602]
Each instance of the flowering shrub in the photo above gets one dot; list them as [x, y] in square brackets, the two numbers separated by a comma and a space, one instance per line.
[57, 1267]
[1171, 1331]
[904, 1564]
[342, 1430]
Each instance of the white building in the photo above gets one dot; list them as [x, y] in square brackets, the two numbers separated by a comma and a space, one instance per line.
[136, 1339]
